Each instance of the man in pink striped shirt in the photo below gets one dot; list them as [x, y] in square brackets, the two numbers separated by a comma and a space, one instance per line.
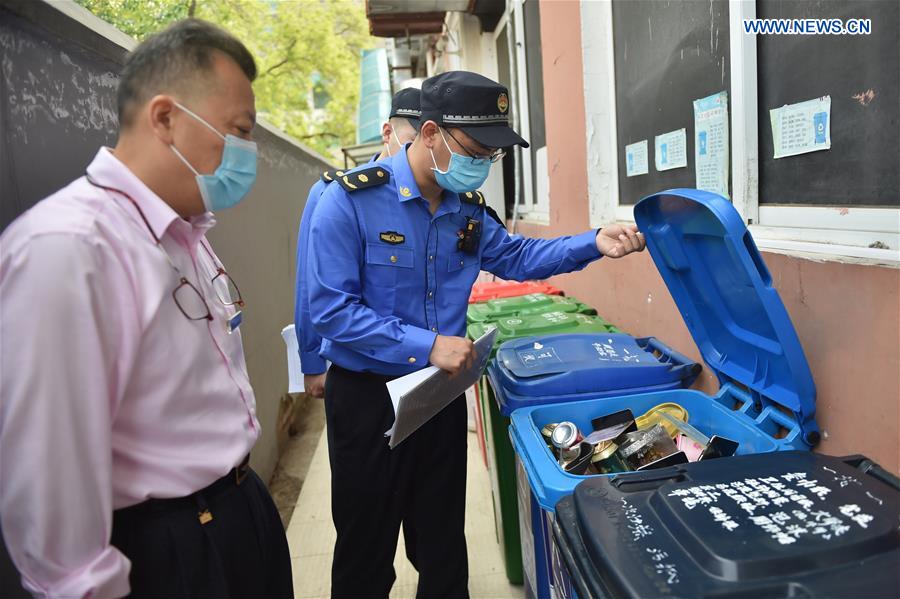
[126, 412]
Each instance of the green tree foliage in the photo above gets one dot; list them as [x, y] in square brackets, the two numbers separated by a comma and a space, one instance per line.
[301, 46]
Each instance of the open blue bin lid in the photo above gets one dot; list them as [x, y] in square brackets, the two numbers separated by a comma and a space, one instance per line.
[718, 279]
[574, 363]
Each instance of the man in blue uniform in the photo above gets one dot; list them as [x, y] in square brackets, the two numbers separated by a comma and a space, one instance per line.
[400, 128]
[398, 246]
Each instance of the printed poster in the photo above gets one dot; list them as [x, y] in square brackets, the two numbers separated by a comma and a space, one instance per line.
[636, 159]
[671, 150]
[711, 143]
[801, 128]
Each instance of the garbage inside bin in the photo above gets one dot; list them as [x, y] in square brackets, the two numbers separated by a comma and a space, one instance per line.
[637, 447]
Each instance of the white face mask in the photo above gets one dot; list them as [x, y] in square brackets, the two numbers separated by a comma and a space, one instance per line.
[396, 139]
[235, 174]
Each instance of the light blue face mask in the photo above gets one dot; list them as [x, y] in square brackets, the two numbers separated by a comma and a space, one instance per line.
[235, 175]
[463, 174]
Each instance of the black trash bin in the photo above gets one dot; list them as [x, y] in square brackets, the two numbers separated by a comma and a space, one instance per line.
[792, 524]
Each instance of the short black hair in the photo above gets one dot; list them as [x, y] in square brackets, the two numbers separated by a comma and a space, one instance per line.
[174, 57]
[401, 120]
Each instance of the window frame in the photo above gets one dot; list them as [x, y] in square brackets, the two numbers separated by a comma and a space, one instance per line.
[531, 206]
[842, 232]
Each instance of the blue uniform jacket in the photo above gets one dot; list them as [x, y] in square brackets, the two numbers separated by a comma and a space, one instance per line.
[386, 276]
[308, 341]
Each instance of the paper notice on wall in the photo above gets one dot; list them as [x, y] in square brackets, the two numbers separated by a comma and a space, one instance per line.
[711, 143]
[801, 128]
[671, 150]
[636, 159]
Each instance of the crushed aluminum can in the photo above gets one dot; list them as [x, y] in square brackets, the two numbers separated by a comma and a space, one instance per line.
[566, 435]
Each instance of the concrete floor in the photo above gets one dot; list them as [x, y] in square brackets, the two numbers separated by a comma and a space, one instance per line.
[297, 455]
[311, 535]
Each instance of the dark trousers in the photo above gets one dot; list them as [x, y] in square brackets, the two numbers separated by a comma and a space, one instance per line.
[241, 552]
[421, 484]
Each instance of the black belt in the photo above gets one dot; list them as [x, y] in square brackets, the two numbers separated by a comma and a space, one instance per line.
[373, 376]
[196, 500]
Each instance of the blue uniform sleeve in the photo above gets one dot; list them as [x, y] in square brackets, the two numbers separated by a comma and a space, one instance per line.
[308, 340]
[335, 290]
[516, 257]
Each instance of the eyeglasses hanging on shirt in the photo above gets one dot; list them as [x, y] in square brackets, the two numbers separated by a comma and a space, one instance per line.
[187, 296]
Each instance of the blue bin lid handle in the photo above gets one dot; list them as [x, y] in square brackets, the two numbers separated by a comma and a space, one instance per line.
[687, 368]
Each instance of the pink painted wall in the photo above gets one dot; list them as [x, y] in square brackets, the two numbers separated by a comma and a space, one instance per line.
[846, 315]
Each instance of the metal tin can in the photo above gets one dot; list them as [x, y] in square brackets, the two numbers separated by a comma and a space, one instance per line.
[547, 432]
[566, 435]
[606, 460]
[645, 446]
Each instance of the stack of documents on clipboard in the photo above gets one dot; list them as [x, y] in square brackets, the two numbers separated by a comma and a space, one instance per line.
[419, 396]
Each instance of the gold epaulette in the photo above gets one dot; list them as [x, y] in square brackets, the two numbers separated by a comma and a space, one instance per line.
[363, 178]
[329, 176]
[472, 197]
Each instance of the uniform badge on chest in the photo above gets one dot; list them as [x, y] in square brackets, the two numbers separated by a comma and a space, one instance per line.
[392, 237]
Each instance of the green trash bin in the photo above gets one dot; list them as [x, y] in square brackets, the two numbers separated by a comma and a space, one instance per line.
[495, 309]
[500, 455]
[533, 303]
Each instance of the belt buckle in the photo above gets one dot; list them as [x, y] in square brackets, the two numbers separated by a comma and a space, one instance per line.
[241, 470]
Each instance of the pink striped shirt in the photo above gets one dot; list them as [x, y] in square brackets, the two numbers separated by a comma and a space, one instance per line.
[108, 394]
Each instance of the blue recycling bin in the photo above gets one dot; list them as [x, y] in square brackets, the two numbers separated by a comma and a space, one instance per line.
[796, 524]
[766, 398]
[560, 368]
[563, 368]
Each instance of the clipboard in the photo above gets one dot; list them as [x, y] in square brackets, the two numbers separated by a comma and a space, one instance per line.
[420, 396]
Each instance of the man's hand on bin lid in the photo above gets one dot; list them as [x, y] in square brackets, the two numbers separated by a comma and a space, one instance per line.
[615, 241]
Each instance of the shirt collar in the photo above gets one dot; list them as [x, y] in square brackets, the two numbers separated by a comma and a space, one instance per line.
[407, 188]
[107, 170]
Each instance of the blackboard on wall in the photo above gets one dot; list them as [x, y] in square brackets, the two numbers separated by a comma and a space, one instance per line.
[50, 90]
[861, 73]
[667, 54]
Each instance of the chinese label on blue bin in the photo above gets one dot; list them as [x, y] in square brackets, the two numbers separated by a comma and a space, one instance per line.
[538, 355]
[608, 352]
